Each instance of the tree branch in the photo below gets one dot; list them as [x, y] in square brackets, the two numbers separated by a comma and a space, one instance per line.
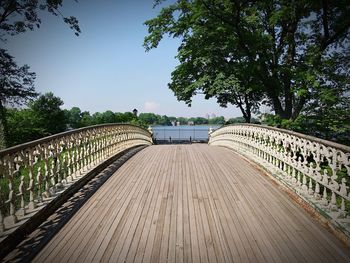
[335, 36]
[325, 18]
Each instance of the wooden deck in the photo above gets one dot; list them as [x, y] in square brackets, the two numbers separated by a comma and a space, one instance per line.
[191, 203]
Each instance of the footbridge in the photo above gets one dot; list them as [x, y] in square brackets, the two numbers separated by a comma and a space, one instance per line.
[106, 193]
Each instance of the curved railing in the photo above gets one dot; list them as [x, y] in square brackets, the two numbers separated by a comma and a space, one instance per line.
[317, 170]
[32, 173]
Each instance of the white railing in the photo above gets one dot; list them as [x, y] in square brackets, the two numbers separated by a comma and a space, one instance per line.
[31, 174]
[317, 170]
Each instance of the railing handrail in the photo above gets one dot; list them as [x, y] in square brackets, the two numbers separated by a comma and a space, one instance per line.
[22, 146]
[297, 134]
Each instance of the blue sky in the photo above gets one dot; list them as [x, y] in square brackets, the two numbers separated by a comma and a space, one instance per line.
[106, 67]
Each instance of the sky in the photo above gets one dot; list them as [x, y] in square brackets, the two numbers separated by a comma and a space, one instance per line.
[106, 67]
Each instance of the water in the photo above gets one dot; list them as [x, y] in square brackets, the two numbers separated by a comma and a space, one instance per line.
[182, 133]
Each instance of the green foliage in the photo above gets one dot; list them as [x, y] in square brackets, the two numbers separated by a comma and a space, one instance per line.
[78, 119]
[18, 16]
[86, 119]
[73, 117]
[23, 126]
[43, 117]
[49, 116]
[149, 118]
[217, 120]
[16, 87]
[199, 120]
[235, 120]
[182, 120]
[164, 120]
[329, 124]
[285, 54]
[17, 83]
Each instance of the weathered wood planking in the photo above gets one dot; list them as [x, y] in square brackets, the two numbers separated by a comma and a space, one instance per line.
[191, 203]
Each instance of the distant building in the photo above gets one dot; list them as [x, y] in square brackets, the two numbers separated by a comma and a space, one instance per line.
[213, 115]
[135, 112]
[173, 123]
[191, 123]
[177, 123]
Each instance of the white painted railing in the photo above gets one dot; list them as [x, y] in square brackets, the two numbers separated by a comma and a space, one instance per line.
[317, 170]
[34, 172]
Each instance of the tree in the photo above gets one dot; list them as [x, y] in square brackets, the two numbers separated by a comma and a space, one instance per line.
[217, 120]
[17, 83]
[96, 118]
[16, 87]
[129, 116]
[201, 120]
[23, 126]
[235, 120]
[182, 120]
[73, 117]
[164, 120]
[50, 117]
[86, 119]
[18, 16]
[108, 117]
[149, 118]
[271, 52]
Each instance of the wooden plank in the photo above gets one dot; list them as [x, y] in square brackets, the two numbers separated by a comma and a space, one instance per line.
[191, 203]
[164, 246]
[211, 242]
[118, 232]
[154, 236]
[267, 232]
[187, 254]
[197, 194]
[79, 221]
[179, 245]
[142, 235]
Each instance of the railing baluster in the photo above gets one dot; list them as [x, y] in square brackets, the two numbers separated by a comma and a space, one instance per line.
[31, 173]
[2, 225]
[316, 169]
[12, 193]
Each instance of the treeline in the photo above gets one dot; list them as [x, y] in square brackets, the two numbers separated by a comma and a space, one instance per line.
[44, 116]
[155, 119]
[75, 118]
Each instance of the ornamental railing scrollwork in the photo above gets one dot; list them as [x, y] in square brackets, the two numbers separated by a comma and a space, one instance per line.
[31, 174]
[317, 170]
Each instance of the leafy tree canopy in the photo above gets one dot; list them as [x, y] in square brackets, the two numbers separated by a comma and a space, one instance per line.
[48, 113]
[277, 52]
[23, 126]
[16, 87]
[17, 83]
[18, 16]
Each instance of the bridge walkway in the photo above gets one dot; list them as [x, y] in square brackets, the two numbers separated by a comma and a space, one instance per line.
[191, 203]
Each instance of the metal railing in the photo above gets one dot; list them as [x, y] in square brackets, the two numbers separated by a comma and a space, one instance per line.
[317, 170]
[181, 133]
[32, 173]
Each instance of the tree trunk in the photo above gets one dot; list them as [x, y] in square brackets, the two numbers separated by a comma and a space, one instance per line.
[248, 112]
[245, 112]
